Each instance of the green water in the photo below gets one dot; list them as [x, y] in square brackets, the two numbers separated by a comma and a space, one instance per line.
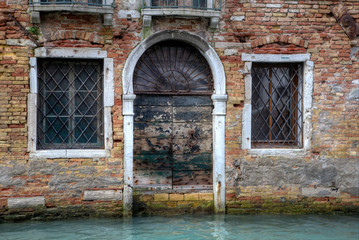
[311, 227]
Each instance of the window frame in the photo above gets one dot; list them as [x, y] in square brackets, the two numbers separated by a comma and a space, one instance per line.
[108, 102]
[307, 93]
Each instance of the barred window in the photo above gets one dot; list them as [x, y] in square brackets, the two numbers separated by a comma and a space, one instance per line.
[179, 3]
[70, 104]
[89, 2]
[277, 105]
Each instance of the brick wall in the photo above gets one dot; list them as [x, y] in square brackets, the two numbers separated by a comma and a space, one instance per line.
[285, 27]
[326, 175]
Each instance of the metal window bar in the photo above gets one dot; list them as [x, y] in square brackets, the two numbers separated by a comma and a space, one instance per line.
[277, 105]
[193, 4]
[70, 104]
[99, 3]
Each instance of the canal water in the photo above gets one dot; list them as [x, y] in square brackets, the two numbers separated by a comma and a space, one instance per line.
[258, 227]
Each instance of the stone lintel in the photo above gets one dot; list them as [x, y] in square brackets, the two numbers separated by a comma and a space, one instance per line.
[88, 53]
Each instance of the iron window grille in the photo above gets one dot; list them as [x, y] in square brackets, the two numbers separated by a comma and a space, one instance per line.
[70, 104]
[179, 3]
[99, 3]
[277, 96]
[194, 4]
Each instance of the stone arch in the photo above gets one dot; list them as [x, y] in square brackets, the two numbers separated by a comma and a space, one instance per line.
[219, 98]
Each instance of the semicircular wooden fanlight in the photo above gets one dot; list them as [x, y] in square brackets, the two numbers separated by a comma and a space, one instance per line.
[172, 67]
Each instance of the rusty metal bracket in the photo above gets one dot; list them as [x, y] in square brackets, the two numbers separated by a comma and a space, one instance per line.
[347, 22]
[27, 33]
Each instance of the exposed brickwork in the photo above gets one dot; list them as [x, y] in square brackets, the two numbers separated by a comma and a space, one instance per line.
[254, 183]
[14, 77]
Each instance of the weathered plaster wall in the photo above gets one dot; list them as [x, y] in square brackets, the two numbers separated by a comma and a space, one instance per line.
[324, 178]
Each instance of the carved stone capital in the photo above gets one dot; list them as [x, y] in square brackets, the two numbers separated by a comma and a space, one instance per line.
[147, 21]
[107, 19]
[35, 17]
[214, 22]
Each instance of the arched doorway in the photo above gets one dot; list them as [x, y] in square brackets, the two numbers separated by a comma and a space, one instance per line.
[173, 84]
[218, 98]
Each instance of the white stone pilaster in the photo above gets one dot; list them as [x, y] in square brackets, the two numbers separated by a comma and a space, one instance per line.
[128, 113]
[219, 184]
[308, 103]
[247, 109]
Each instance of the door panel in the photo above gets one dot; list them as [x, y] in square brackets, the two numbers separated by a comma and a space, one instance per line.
[193, 162]
[192, 114]
[153, 113]
[191, 146]
[200, 130]
[191, 101]
[197, 178]
[153, 162]
[154, 146]
[173, 141]
[153, 178]
[154, 129]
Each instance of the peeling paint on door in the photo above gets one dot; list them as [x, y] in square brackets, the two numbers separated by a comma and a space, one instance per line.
[173, 141]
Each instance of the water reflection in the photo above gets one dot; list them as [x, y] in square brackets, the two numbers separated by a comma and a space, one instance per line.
[127, 227]
[220, 227]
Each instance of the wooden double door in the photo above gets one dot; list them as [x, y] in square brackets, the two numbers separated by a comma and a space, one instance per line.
[173, 141]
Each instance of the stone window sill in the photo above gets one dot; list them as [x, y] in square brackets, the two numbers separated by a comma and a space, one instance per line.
[73, 153]
[106, 11]
[288, 152]
[213, 15]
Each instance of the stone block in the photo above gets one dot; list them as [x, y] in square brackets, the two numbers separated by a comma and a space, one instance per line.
[147, 198]
[238, 18]
[171, 204]
[20, 42]
[161, 197]
[191, 196]
[354, 94]
[103, 195]
[231, 52]
[25, 202]
[176, 197]
[206, 196]
[273, 5]
[320, 192]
